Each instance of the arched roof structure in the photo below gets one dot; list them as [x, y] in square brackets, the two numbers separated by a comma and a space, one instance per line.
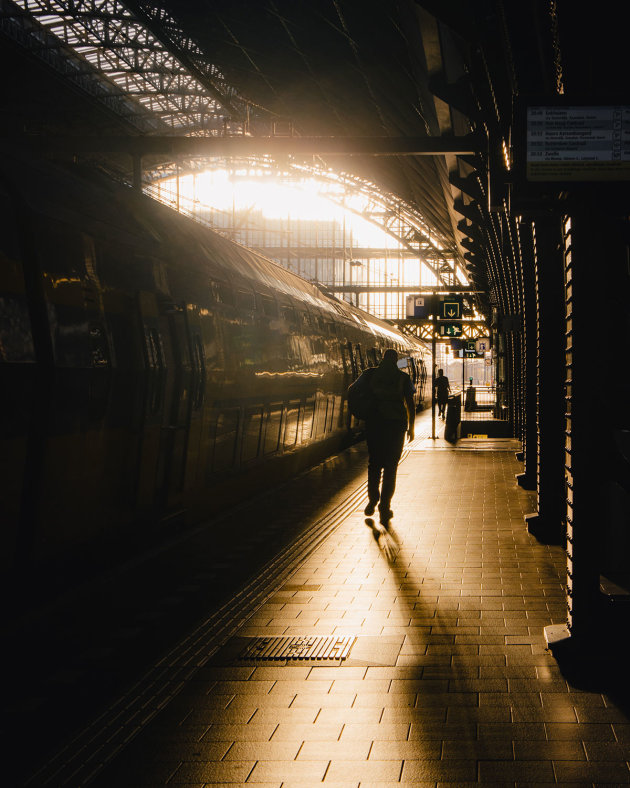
[410, 68]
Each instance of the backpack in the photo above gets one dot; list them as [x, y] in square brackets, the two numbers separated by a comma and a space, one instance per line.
[361, 399]
[387, 389]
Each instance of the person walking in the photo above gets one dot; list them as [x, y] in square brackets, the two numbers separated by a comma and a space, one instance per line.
[442, 390]
[391, 415]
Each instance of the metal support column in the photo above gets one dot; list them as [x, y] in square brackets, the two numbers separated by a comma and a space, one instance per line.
[433, 349]
[583, 442]
[529, 455]
[548, 522]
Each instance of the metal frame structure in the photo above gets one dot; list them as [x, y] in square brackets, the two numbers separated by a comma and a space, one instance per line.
[396, 218]
[133, 57]
[133, 50]
[428, 330]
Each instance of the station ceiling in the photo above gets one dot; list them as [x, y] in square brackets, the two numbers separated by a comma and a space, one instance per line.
[401, 68]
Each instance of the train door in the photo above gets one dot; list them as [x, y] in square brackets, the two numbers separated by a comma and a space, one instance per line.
[197, 392]
[291, 425]
[154, 380]
[352, 360]
[177, 408]
[372, 356]
[360, 360]
[321, 410]
[23, 401]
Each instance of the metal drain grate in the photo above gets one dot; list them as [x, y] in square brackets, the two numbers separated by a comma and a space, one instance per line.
[302, 648]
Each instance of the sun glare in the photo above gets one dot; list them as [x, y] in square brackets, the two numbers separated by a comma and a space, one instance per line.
[311, 226]
[277, 199]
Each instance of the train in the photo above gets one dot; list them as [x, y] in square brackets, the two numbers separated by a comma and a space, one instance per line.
[154, 371]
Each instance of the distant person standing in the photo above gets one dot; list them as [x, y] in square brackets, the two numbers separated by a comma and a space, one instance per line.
[391, 415]
[442, 390]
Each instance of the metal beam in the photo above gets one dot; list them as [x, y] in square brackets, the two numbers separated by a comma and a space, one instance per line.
[471, 329]
[323, 252]
[258, 146]
[415, 289]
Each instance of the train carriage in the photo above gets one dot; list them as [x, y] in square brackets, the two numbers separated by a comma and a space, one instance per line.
[153, 369]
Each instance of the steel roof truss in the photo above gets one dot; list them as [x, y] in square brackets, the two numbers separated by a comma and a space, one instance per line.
[128, 53]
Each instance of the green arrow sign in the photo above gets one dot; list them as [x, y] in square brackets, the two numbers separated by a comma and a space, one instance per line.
[450, 330]
[451, 308]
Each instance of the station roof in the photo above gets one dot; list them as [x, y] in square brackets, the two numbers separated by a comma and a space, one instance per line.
[342, 68]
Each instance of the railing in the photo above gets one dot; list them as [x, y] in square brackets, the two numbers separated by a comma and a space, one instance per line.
[481, 403]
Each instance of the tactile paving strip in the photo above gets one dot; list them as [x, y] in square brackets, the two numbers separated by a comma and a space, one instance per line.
[100, 741]
[298, 648]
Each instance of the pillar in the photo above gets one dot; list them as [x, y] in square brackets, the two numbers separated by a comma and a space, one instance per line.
[529, 454]
[548, 522]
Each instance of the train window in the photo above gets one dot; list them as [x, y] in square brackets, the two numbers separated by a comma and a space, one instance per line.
[245, 300]
[291, 426]
[288, 313]
[321, 408]
[226, 430]
[225, 294]
[414, 369]
[270, 308]
[272, 429]
[330, 416]
[199, 370]
[345, 358]
[352, 359]
[179, 337]
[359, 358]
[100, 348]
[155, 351]
[423, 372]
[251, 435]
[371, 356]
[16, 343]
[307, 422]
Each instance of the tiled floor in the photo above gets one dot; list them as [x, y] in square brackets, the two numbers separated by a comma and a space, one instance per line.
[448, 683]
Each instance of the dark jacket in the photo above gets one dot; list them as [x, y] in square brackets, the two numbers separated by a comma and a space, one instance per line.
[388, 385]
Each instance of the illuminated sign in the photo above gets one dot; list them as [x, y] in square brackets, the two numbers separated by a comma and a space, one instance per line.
[450, 308]
[469, 349]
[572, 142]
[450, 329]
[419, 305]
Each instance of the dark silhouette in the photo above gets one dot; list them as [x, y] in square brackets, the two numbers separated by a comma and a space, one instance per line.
[385, 538]
[442, 390]
[391, 415]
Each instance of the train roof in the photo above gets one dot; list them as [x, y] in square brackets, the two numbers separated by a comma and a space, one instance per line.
[69, 193]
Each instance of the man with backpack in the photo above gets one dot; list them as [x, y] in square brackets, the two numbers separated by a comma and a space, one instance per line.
[391, 413]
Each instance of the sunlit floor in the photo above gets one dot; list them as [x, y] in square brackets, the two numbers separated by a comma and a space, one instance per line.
[448, 680]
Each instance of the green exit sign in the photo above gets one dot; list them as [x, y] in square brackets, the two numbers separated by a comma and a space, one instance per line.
[450, 330]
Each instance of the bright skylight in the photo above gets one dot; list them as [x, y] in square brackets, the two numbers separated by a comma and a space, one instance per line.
[277, 198]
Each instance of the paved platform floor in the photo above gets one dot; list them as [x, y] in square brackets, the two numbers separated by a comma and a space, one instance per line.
[448, 681]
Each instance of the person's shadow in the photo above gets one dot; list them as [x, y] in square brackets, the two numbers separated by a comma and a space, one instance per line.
[386, 539]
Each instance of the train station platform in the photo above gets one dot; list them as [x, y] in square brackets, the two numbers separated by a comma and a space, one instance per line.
[355, 657]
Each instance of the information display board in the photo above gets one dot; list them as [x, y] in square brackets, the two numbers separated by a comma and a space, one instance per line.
[569, 142]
